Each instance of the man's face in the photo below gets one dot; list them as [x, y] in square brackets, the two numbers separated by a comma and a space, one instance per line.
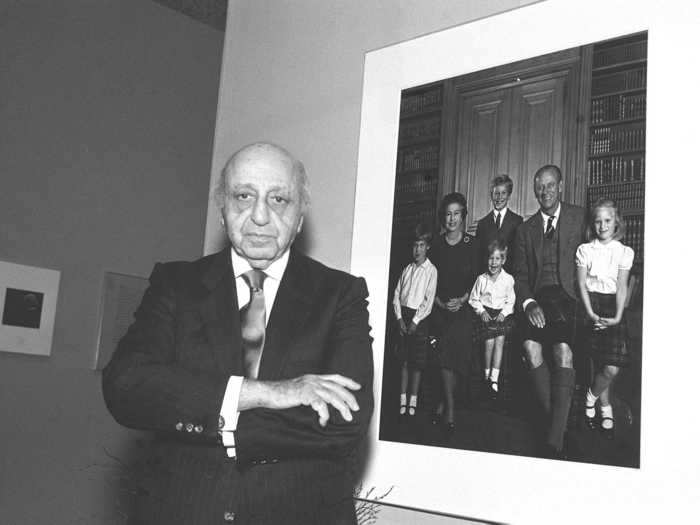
[262, 209]
[499, 197]
[548, 191]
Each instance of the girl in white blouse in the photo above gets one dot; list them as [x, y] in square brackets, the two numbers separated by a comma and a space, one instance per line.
[603, 268]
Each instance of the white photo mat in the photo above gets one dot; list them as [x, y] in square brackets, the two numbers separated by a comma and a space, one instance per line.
[514, 489]
[30, 329]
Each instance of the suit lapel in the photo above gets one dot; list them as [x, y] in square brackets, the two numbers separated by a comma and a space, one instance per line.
[537, 236]
[292, 306]
[219, 310]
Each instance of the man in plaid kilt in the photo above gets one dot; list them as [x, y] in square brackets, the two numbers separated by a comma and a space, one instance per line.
[545, 284]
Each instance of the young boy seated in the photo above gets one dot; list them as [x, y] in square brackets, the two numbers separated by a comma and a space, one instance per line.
[493, 299]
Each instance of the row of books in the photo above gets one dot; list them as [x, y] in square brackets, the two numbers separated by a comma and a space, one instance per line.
[616, 139]
[418, 158]
[406, 222]
[421, 102]
[627, 196]
[616, 169]
[624, 53]
[422, 184]
[618, 107]
[634, 236]
[620, 81]
[419, 129]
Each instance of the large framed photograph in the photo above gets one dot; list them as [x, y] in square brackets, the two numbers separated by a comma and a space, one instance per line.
[578, 86]
[28, 308]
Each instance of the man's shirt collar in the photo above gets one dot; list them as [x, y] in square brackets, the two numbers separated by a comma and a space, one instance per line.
[275, 270]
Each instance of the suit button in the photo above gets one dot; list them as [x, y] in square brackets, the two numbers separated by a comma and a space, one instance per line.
[189, 427]
[179, 426]
[199, 429]
[229, 516]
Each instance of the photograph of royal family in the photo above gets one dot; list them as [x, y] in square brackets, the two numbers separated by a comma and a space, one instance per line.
[511, 339]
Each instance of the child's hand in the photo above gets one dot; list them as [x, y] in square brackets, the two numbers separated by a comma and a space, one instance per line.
[485, 317]
[500, 318]
[608, 321]
[454, 304]
[412, 328]
[402, 327]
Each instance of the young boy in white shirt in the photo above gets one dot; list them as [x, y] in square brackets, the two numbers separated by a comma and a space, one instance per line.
[493, 299]
[413, 302]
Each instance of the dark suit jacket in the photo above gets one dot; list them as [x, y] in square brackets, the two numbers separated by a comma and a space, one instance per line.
[486, 232]
[529, 238]
[172, 367]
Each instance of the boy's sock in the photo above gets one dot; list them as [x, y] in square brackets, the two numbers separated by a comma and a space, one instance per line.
[412, 404]
[487, 373]
[494, 378]
[606, 411]
[590, 404]
[402, 410]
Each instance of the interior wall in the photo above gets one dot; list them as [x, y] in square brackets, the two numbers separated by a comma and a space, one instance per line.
[292, 74]
[107, 113]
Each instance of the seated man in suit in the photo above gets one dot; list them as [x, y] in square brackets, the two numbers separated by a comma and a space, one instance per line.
[545, 290]
[499, 223]
[252, 366]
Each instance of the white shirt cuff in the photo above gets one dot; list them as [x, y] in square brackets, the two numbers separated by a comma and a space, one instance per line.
[229, 412]
[526, 302]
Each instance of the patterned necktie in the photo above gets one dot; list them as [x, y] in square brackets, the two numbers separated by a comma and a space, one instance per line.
[550, 227]
[498, 220]
[253, 323]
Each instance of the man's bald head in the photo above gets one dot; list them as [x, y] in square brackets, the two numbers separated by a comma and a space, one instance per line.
[263, 194]
[264, 150]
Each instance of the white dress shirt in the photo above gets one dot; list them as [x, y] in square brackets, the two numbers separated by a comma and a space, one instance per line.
[602, 263]
[498, 294]
[416, 290]
[229, 407]
[545, 218]
[502, 212]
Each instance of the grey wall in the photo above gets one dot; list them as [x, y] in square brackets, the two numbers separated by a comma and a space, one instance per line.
[292, 74]
[107, 113]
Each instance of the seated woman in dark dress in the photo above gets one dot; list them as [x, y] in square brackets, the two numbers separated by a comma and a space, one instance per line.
[454, 256]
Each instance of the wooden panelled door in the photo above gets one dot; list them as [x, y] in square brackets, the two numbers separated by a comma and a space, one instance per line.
[510, 120]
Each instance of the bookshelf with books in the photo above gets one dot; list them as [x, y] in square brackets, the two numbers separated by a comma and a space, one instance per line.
[417, 163]
[617, 132]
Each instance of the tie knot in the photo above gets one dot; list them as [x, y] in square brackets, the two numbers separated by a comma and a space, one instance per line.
[255, 279]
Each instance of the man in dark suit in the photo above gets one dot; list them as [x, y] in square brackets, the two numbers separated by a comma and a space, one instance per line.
[252, 366]
[499, 223]
[545, 289]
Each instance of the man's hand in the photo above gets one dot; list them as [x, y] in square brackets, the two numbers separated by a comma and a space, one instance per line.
[313, 390]
[535, 315]
[454, 304]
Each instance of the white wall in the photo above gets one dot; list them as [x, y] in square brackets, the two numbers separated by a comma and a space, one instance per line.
[107, 113]
[292, 74]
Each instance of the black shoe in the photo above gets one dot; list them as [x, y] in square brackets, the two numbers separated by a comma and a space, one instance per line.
[493, 392]
[608, 433]
[590, 421]
[550, 452]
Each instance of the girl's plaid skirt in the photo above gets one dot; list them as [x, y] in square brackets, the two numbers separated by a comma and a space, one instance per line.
[608, 346]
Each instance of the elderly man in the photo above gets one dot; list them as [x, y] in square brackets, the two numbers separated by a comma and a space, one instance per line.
[253, 366]
[545, 289]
